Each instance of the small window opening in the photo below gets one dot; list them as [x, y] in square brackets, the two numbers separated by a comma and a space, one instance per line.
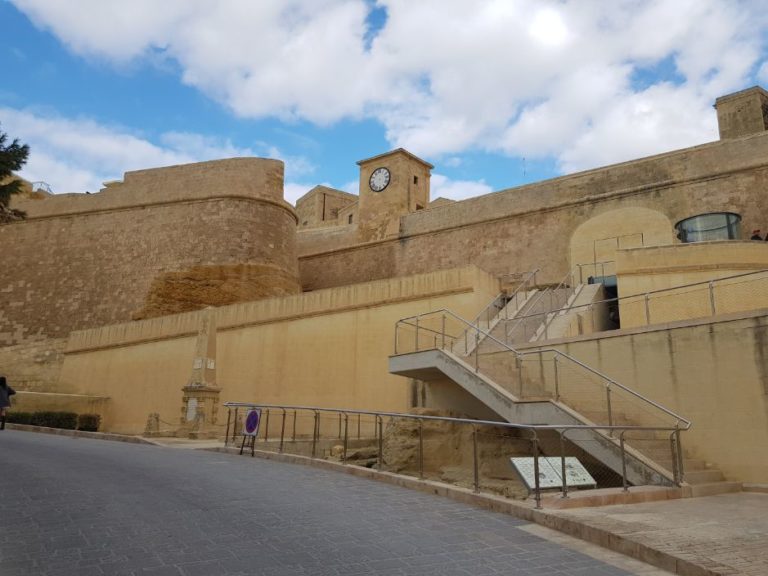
[419, 207]
[349, 219]
[415, 179]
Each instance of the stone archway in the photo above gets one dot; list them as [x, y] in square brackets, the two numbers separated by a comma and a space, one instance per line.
[597, 240]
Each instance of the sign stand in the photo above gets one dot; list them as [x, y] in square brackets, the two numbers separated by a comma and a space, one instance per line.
[251, 429]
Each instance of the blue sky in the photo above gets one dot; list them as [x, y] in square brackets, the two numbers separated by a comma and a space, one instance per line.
[494, 93]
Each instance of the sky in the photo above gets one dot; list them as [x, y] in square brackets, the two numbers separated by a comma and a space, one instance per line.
[494, 93]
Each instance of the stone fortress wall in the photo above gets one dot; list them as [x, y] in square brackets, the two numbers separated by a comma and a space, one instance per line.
[162, 241]
[167, 242]
[534, 225]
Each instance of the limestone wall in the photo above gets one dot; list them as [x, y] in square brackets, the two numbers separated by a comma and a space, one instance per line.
[677, 279]
[532, 226]
[713, 372]
[162, 241]
[326, 348]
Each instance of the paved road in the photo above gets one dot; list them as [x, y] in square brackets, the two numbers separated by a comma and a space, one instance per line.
[87, 507]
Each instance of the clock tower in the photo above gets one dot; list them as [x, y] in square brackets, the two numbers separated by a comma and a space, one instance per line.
[391, 185]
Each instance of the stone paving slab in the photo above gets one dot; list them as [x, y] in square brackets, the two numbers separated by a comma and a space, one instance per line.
[72, 506]
[715, 535]
[724, 534]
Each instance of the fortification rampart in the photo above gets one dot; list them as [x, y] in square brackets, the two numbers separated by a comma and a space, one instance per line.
[217, 233]
[531, 226]
[325, 348]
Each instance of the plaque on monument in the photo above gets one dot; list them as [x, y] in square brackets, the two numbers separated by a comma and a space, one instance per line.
[550, 472]
[191, 409]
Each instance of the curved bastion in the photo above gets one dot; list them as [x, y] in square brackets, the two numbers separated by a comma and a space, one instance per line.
[161, 241]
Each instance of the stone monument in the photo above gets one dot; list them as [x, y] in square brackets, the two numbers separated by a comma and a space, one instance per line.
[201, 395]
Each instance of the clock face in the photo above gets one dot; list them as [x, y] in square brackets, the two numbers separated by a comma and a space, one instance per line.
[379, 179]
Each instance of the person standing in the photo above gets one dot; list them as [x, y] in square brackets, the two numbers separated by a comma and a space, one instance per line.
[5, 399]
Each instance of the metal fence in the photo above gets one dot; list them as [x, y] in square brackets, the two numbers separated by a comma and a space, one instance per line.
[465, 452]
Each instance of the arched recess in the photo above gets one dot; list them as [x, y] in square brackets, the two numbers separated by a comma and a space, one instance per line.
[598, 239]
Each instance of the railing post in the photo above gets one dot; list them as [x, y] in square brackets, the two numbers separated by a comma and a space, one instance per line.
[315, 433]
[647, 311]
[282, 432]
[557, 382]
[293, 433]
[234, 427]
[562, 464]
[624, 483]
[380, 426]
[416, 348]
[346, 438]
[358, 426]
[610, 412]
[537, 484]
[442, 331]
[477, 351]
[421, 449]
[519, 361]
[680, 458]
[475, 466]
[397, 332]
[266, 428]
[712, 296]
[229, 417]
[677, 456]
[339, 425]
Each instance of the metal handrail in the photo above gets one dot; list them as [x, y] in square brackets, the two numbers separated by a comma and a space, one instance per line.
[563, 285]
[505, 298]
[561, 429]
[444, 311]
[539, 298]
[646, 295]
[594, 265]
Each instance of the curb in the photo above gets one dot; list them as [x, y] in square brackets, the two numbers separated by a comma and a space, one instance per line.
[78, 433]
[614, 542]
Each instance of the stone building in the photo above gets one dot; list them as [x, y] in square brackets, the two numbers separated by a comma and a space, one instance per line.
[647, 268]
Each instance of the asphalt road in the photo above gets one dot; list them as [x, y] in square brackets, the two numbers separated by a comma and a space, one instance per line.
[84, 507]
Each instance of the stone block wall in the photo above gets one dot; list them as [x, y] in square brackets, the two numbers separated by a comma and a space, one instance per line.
[532, 226]
[162, 241]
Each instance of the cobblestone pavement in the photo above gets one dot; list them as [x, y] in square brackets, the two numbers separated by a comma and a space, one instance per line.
[91, 508]
[726, 534]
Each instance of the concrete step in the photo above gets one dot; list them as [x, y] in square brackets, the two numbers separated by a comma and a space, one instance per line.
[693, 465]
[703, 476]
[713, 489]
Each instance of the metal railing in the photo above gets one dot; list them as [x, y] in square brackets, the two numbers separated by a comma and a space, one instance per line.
[603, 267]
[301, 428]
[736, 293]
[537, 373]
[500, 304]
[549, 300]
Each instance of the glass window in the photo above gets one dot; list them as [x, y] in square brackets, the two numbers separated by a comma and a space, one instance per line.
[708, 227]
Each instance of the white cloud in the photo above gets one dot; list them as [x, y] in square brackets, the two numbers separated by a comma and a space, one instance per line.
[75, 155]
[294, 191]
[523, 77]
[443, 187]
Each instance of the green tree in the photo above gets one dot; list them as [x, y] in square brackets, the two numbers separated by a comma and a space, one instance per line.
[12, 157]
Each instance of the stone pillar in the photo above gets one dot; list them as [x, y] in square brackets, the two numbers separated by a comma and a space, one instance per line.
[200, 404]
